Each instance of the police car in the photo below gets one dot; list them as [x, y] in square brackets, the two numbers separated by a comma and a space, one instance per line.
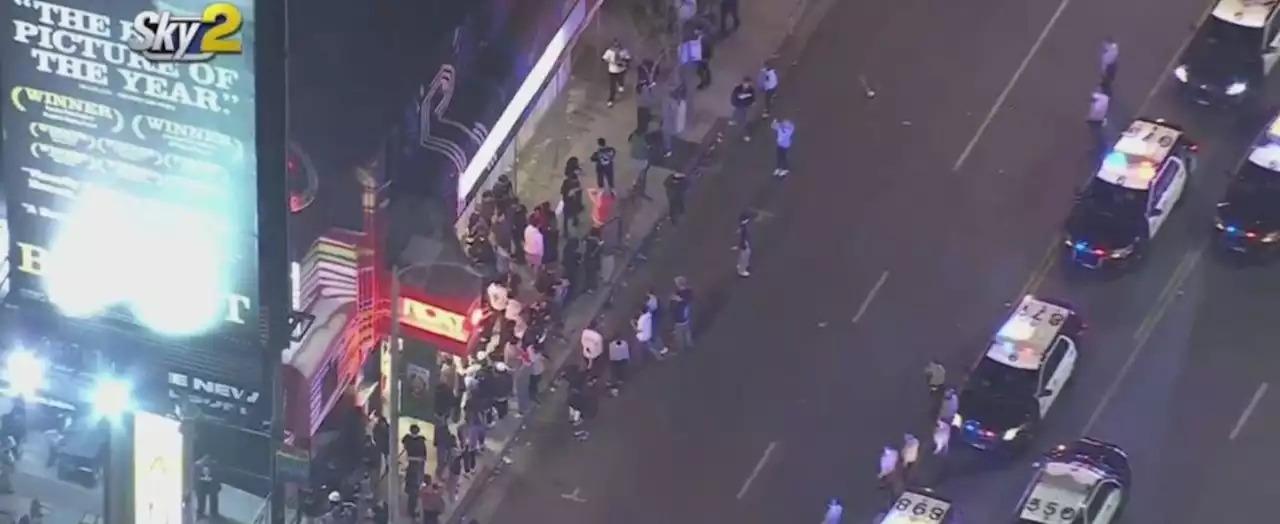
[1248, 217]
[1130, 197]
[919, 506]
[1022, 374]
[1231, 53]
[1085, 482]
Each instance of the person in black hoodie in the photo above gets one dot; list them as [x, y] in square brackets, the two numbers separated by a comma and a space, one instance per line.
[503, 387]
[742, 98]
[446, 402]
[571, 194]
[744, 244]
[519, 220]
[592, 255]
[550, 235]
[604, 158]
[571, 263]
[676, 185]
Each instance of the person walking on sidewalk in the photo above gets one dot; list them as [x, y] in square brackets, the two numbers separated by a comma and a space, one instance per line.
[783, 130]
[646, 102]
[617, 59]
[682, 314]
[571, 195]
[769, 84]
[640, 150]
[1110, 58]
[742, 98]
[744, 244]
[707, 48]
[603, 158]
[592, 259]
[646, 333]
[431, 501]
[673, 107]
[619, 359]
[890, 479]
[676, 185]
[691, 57]
[533, 246]
[729, 9]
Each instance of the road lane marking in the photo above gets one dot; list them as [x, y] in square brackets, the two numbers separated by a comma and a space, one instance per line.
[764, 459]
[1047, 261]
[871, 295]
[1166, 298]
[1248, 410]
[1008, 88]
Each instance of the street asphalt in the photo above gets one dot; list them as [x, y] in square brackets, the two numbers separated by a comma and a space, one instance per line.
[883, 250]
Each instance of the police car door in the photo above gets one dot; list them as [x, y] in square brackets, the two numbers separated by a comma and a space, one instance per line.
[1058, 363]
[1104, 506]
[1165, 192]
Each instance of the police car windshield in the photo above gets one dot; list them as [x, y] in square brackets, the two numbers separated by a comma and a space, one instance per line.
[997, 380]
[1254, 181]
[1105, 198]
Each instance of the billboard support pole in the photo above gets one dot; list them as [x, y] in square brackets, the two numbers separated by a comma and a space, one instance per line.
[394, 346]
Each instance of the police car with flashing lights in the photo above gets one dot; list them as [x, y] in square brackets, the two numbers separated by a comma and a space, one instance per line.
[919, 506]
[1129, 199]
[1232, 52]
[1013, 386]
[1248, 217]
[1085, 482]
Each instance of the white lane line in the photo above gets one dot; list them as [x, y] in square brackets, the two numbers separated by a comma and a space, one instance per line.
[1008, 88]
[1166, 298]
[764, 459]
[1248, 410]
[871, 295]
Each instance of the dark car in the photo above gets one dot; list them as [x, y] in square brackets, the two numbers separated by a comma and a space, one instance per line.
[1248, 217]
[997, 407]
[1105, 227]
[1228, 59]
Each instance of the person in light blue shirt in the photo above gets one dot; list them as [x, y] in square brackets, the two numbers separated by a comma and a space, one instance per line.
[784, 130]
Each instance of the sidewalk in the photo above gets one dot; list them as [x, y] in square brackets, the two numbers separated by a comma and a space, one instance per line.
[584, 117]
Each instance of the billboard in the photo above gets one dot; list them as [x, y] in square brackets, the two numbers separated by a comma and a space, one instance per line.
[158, 469]
[130, 181]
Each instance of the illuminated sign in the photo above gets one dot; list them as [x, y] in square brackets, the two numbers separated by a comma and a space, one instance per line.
[162, 36]
[158, 471]
[435, 320]
[130, 184]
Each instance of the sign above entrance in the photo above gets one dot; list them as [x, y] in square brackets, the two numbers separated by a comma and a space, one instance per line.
[435, 320]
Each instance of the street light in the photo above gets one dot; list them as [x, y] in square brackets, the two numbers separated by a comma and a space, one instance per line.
[112, 397]
[24, 371]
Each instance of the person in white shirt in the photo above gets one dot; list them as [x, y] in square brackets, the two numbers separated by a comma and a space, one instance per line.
[1099, 105]
[1110, 57]
[497, 294]
[533, 246]
[910, 453]
[619, 356]
[941, 437]
[768, 82]
[784, 130]
[617, 60]
[950, 405]
[646, 334]
[835, 512]
[888, 462]
[592, 345]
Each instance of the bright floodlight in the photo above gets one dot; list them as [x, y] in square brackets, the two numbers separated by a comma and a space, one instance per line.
[25, 372]
[112, 397]
[82, 266]
[184, 289]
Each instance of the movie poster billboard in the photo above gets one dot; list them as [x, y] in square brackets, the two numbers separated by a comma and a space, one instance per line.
[130, 182]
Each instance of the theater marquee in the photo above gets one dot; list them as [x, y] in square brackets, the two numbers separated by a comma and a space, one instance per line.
[130, 184]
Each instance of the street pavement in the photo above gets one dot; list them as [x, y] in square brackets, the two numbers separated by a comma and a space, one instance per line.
[895, 242]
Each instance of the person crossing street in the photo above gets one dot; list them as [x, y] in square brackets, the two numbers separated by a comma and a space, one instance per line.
[744, 244]
[784, 130]
[617, 59]
[742, 98]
